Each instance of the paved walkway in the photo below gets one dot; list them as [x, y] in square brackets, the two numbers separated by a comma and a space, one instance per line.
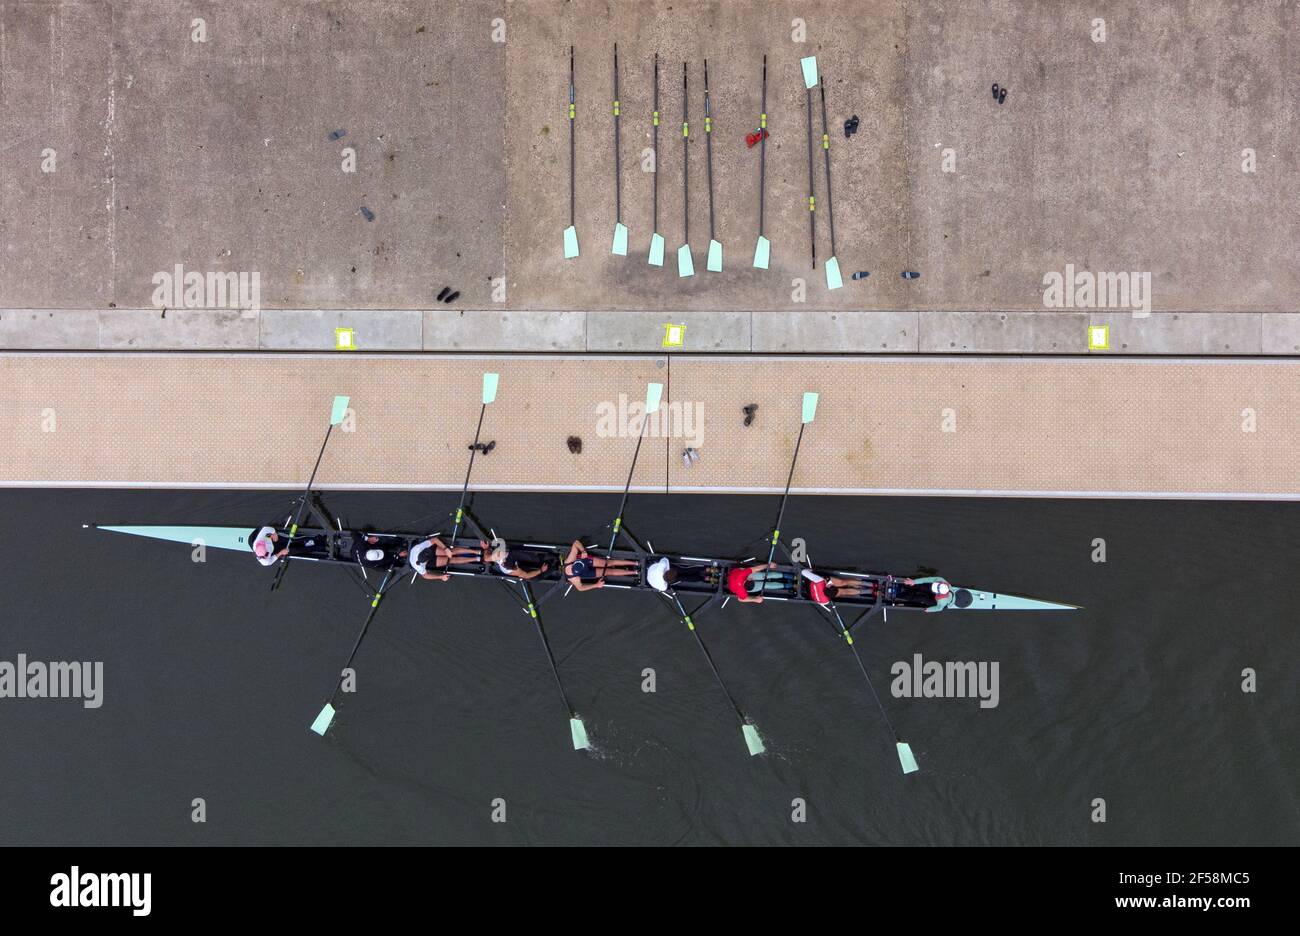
[1084, 427]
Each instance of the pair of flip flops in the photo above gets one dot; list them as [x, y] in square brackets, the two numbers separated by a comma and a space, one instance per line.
[484, 447]
[752, 139]
[851, 126]
[447, 295]
[999, 93]
[749, 412]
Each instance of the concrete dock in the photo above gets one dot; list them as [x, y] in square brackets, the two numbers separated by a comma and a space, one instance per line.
[1034, 427]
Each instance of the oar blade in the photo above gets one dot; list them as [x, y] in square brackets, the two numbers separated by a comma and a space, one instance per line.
[809, 407]
[714, 264]
[653, 394]
[579, 732]
[490, 382]
[833, 278]
[339, 409]
[323, 720]
[762, 253]
[809, 66]
[906, 759]
[752, 740]
[685, 262]
[620, 240]
[656, 250]
[570, 242]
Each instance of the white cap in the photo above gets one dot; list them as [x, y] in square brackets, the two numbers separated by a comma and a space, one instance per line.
[654, 574]
[939, 588]
[374, 555]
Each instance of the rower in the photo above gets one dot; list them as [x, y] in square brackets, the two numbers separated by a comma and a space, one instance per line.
[369, 550]
[425, 562]
[514, 562]
[264, 543]
[825, 589]
[662, 574]
[585, 571]
[747, 583]
[939, 588]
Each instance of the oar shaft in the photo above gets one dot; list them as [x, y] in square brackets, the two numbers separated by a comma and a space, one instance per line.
[618, 175]
[460, 509]
[618, 518]
[374, 608]
[686, 163]
[546, 645]
[780, 514]
[848, 638]
[708, 143]
[573, 149]
[654, 146]
[826, 151]
[690, 624]
[762, 148]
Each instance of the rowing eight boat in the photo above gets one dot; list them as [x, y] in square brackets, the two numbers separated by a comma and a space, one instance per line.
[701, 581]
[319, 544]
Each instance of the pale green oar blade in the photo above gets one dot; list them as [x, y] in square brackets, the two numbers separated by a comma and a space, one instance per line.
[809, 407]
[715, 257]
[833, 280]
[490, 382]
[906, 759]
[339, 410]
[653, 393]
[322, 722]
[809, 65]
[762, 250]
[579, 732]
[685, 262]
[656, 250]
[620, 240]
[752, 740]
[570, 242]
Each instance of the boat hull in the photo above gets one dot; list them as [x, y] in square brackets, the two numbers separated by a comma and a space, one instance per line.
[238, 539]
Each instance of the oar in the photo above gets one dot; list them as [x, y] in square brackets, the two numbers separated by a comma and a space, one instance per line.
[571, 232]
[685, 263]
[326, 716]
[749, 731]
[762, 249]
[620, 231]
[833, 279]
[576, 728]
[905, 758]
[656, 239]
[489, 394]
[337, 411]
[809, 413]
[653, 393]
[809, 80]
[714, 263]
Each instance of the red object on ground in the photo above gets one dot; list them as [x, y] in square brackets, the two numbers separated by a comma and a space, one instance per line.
[752, 139]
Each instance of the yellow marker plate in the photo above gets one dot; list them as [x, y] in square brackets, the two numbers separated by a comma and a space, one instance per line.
[1098, 337]
[345, 339]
